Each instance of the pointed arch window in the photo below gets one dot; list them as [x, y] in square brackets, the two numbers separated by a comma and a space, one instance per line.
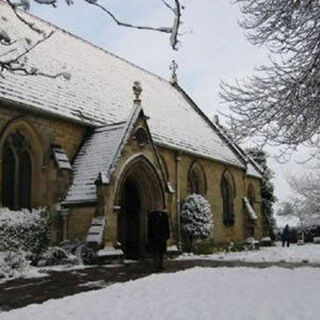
[227, 194]
[197, 179]
[16, 172]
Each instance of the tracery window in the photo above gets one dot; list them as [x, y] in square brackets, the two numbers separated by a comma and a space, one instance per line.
[16, 172]
[227, 193]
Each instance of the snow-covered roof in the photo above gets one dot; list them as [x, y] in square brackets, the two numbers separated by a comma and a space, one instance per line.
[99, 93]
[249, 209]
[97, 154]
[95, 233]
[252, 171]
[98, 157]
[61, 158]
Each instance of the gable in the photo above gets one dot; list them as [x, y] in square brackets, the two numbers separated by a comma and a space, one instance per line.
[99, 93]
[101, 152]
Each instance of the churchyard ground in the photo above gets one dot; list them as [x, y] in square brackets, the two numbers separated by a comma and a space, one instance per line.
[272, 283]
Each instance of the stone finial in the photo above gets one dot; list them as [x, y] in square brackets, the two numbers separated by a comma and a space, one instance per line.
[137, 89]
[173, 68]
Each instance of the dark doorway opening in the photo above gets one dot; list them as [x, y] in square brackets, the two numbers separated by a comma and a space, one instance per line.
[130, 216]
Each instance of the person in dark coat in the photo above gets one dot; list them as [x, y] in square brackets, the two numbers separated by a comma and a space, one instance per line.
[158, 234]
[285, 236]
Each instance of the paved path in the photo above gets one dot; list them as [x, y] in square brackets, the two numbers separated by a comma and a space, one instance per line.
[22, 292]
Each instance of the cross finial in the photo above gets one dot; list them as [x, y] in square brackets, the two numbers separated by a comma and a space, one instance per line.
[174, 67]
[137, 89]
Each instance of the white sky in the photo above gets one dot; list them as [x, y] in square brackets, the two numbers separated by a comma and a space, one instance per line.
[215, 50]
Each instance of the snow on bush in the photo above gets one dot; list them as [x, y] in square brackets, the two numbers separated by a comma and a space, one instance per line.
[12, 264]
[196, 220]
[80, 250]
[55, 256]
[25, 231]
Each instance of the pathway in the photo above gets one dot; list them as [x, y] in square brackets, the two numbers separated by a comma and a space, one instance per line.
[58, 284]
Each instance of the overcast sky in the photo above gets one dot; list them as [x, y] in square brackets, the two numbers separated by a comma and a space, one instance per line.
[214, 48]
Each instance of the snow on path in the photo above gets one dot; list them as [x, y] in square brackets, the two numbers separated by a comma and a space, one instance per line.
[295, 253]
[198, 293]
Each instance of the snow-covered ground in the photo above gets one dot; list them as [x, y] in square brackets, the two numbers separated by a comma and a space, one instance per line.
[198, 293]
[307, 253]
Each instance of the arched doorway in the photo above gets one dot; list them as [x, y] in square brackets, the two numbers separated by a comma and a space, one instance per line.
[138, 189]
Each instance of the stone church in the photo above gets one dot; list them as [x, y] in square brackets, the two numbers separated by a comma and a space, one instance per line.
[98, 153]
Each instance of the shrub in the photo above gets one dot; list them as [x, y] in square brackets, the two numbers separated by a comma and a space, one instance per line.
[25, 231]
[54, 256]
[12, 264]
[195, 219]
[80, 250]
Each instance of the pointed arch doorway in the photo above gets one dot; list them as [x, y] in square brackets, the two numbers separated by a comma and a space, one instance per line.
[139, 188]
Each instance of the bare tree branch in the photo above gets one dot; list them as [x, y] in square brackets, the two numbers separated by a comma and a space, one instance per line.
[17, 66]
[32, 26]
[280, 103]
[174, 30]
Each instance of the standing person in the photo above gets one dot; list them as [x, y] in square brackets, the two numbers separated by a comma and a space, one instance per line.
[158, 234]
[285, 236]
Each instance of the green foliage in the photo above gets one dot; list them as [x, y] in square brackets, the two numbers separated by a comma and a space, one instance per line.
[56, 256]
[195, 219]
[267, 189]
[12, 263]
[25, 231]
[203, 247]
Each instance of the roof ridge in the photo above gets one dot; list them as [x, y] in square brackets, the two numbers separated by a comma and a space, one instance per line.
[69, 33]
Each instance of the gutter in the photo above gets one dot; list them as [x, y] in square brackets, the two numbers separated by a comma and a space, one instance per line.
[31, 109]
[197, 154]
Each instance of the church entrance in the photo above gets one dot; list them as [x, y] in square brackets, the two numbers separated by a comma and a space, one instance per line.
[139, 189]
[131, 208]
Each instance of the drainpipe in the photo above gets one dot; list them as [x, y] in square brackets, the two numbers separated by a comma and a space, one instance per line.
[178, 159]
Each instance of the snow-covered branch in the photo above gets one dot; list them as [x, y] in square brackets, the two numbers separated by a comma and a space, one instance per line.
[280, 102]
[172, 30]
[305, 205]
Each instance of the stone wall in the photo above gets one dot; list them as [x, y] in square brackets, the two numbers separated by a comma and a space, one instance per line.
[213, 174]
[48, 182]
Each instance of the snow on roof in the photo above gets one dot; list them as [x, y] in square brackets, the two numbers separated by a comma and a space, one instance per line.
[61, 158]
[252, 171]
[249, 209]
[99, 92]
[96, 154]
[95, 233]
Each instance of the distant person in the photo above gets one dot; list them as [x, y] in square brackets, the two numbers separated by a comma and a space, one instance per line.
[158, 234]
[285, 236]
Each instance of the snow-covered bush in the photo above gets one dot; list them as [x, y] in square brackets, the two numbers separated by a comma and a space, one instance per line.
[25, 231]
[196, 221]
[56, 256]
[12, 264]
[80, 250]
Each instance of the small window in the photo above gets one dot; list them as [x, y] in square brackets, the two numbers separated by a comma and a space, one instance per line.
[227, 194]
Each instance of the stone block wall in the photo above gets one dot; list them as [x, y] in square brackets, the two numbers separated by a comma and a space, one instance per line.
[213, 173]
[48, 182]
